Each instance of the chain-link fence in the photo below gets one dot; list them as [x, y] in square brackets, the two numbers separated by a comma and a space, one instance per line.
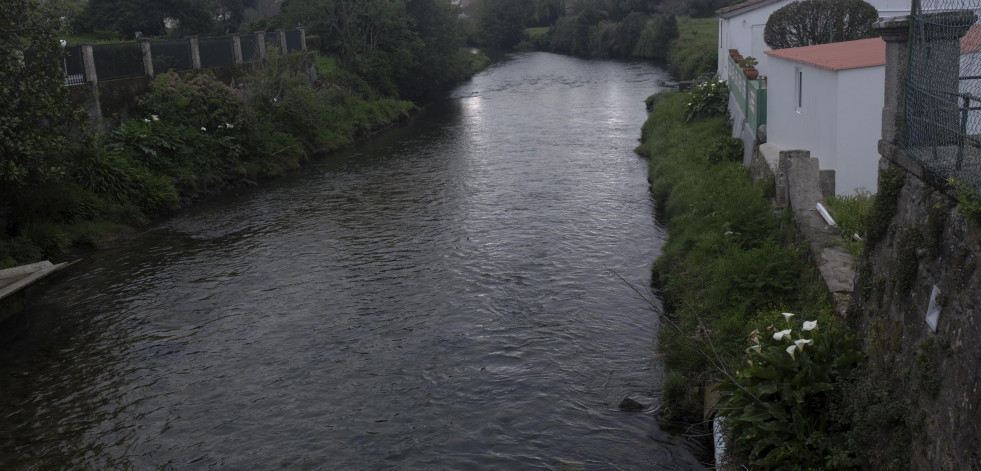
[171, 54]
[294, 40]
[250, 47]
[120, 60]
[216, 51]
[943, 89]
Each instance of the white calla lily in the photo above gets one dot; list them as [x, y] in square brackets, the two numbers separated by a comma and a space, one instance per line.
[755, 348]
[788, 315]
[801, 342]
[810, 325]
[780, 335]
[791, 349]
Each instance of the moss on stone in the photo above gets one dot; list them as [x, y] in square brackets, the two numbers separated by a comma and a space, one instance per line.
[891, 181]
[907, 263]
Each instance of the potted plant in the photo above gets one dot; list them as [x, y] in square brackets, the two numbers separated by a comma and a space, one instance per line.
[749, 67]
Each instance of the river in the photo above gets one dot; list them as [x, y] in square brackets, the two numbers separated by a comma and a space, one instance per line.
[453, 295]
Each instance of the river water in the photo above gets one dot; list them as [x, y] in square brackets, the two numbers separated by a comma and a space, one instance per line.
[448, 296]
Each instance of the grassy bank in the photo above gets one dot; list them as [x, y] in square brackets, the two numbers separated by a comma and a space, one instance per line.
[731, 267]
[694, 51]
[191, 136]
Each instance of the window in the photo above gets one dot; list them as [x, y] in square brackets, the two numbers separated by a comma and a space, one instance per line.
[798, 89]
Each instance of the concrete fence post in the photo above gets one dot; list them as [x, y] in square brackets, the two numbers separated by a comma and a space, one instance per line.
[88, 63]
[261, 44]
[195, 53]
[282, 41]
[303, 38]
[237, 48]
[147, 57]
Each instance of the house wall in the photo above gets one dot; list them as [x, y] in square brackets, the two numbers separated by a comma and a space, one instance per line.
[813, 126]
[859, 121]
[745, 32]
[838, 122]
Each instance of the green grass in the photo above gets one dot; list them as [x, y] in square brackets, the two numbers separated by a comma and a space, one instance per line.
[850, 213]
[694, 52]
[729, 264]
[536, 33]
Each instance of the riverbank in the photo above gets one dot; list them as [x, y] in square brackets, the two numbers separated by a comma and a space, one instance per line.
[730, 266]
[194, 136]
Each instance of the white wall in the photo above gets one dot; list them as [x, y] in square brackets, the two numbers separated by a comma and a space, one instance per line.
[739, 33]
[840, 121]
[860, 101]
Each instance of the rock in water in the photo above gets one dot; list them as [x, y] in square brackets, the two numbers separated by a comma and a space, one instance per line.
[629, 404]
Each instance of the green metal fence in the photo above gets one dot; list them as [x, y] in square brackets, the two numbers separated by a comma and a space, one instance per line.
[942, 118]
[750, 96]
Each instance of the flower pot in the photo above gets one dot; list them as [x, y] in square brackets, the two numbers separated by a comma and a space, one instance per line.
[734, 52]
[751, 73]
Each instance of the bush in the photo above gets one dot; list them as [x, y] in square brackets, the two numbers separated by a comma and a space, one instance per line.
[726, 149]
[777, 406]
[810, 22]
[707, 99]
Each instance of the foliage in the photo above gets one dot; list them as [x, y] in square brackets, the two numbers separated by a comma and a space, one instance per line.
[655, 40]
[885, 204]
[726, 149]
[35, 109]
[810, 22]
[777, 406]
[969, 203]
[694, 52]
[851, 213]
[148, 16]
[707, 99]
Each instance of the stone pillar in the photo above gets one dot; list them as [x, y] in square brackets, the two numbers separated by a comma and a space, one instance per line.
[282, 41]
[195, 53]
[261, 44]
[895, 32]
[88, 63]
[147, 56]
[237, 48]
[303, 39]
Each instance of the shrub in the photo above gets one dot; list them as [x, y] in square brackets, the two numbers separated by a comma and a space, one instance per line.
[707, 99]
[810, 22]
[726, 149]
[777, 406]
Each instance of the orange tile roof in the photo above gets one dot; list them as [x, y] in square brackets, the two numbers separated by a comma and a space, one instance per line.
[837, 56]
[971, 42]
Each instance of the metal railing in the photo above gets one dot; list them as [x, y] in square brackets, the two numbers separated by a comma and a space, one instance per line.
[750, 95]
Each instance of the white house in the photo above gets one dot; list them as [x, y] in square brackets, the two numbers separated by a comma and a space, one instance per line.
[741, 27]
[828, 99]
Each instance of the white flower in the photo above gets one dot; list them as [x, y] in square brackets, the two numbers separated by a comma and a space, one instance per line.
[788, 315]
[791, 349]
[146, 120]
[228, 125]
[800, 343]
[755, 348]
[275, 99]
[203, 128]
[154, 117]
[780, 335]
[810, 325]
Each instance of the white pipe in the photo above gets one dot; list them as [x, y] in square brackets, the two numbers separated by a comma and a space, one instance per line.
[824, 213]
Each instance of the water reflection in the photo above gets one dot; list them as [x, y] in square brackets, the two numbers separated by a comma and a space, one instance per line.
[440, 298]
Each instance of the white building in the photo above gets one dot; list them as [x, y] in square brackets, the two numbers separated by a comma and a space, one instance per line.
[741, 27]
[828, 99]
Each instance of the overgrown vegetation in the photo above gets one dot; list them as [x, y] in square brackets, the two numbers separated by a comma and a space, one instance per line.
[65, 186]
[731, 267]
[851, 213]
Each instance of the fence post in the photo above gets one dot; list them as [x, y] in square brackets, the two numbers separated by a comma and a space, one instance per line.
[282, 41]
[195, 53]
[260, 37]
[237, 48]
[147, 57]
[303, 38]
[88, 63]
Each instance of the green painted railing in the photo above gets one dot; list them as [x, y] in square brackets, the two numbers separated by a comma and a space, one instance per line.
[749, 94]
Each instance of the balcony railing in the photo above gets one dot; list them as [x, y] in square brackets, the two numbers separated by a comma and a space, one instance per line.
[750, 96]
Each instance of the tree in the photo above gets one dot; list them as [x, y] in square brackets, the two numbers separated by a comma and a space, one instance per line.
[810, 22]
[503, 22]
[147, 16]
[35, 107]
